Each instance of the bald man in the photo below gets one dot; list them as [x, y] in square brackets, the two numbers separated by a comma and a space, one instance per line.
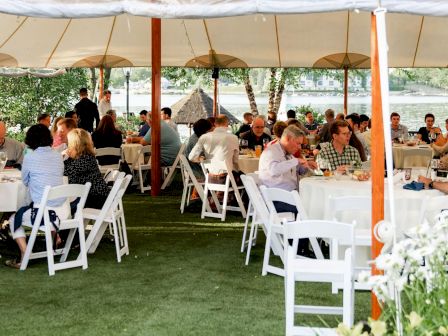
[256, 135]
[12, 148]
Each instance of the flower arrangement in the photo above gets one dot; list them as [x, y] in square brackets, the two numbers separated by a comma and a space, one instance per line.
[413, 291]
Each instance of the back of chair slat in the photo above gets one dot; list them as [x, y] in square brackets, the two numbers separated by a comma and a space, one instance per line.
[108, 151]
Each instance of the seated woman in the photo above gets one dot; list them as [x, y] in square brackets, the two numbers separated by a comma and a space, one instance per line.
[41, 167]
[200, 127]
[106, 135]
[81, 167]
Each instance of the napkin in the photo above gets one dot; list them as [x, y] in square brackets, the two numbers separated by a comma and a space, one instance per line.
[417, 186]
[398, 177]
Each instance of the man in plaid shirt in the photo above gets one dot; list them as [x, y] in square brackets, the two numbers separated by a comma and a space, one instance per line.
[338, 153]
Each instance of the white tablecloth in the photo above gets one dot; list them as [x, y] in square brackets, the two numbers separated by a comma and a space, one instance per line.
[130, 152]
[13, 194]
[248, 164]
[420, 155]
[314, 192]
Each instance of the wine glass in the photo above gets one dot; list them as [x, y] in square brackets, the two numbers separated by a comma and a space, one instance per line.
[265, 142]
[244, 143]
[3, 160]
[433, 136]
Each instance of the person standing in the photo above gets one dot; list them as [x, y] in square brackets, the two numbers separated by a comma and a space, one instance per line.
[105, 104]
[87, 112]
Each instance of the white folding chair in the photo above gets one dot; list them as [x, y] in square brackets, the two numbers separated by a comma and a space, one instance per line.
[358, 209]
[190, 181]
[108, 151]
[250, 216]
[111, 213]
[169, 172]
[142, 165]
[432, 207]
[220, 167]
[275, 237]
[67, 191]
[318, 270]
[112, 175]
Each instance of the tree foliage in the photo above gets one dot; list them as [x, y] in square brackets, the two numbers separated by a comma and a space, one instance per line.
[23, 99]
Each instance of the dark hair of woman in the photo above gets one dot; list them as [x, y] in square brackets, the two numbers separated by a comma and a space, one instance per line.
[354, 142]
[202, 126]
[107, 125]
[38, 136]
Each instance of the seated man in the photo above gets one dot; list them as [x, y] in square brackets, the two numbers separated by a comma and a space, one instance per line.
[165, 114]
[397, 130]
[12, 148]
[169, 142]
[338, 154]
[310, 124]
[256, 136]
[324, 133]
[143, 127]
[429, 132]
[44, 119]
[278, 168]
[247, 121]
[217, 145]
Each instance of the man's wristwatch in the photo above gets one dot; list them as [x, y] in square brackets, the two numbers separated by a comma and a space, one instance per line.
[431, 185]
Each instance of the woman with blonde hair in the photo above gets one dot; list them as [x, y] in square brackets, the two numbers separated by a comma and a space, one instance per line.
[81, 167]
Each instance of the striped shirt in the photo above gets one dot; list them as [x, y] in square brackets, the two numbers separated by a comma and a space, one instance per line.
[42, 167]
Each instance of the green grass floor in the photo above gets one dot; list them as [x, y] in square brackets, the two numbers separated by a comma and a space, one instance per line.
[184, 276]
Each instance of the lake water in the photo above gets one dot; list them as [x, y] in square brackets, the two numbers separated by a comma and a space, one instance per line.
[411, 108]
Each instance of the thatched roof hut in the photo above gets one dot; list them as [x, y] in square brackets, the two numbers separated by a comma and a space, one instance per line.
[195, 106]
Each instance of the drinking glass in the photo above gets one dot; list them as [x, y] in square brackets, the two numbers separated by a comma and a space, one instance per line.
[3, 160]
[433, 137]
[244, 143]
[265, 142]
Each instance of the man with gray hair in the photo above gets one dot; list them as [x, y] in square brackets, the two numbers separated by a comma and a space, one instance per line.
[278, 168]
[324, 133]
[12, 148]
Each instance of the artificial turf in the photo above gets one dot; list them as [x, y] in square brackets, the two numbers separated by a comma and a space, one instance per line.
[184, 276]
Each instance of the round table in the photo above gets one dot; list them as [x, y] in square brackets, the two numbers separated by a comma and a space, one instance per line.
[13, 193]
[130, 152]
[315, 191]
[411, 156]
[248, 164]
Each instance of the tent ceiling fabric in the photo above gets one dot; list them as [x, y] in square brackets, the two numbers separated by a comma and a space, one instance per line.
[317, 28]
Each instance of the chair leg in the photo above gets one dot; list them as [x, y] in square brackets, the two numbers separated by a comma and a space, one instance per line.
[67, 246]
[246, 223]
[251, 235]
[267, 252]
[184, 197]
[29, 248]
[50, 253]
[289, 302]
[82, 245]
[117, 239]
[124, 234]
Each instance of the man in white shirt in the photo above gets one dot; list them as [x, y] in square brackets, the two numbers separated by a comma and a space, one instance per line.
[278, 168]
[165, 115]
[12, 148]
[105, 104]
[217, 145]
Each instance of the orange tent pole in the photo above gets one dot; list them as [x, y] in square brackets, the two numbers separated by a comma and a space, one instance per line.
[156, 60]
[377, 152]
[101, 86]
[345, 89]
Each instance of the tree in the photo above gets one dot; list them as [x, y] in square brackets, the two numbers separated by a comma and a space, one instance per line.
[23, 99]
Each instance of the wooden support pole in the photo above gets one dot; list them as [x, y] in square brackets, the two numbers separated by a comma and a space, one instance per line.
[377, 152]
[101, 86]
[345, 89]
[156, 60]
[215, 98]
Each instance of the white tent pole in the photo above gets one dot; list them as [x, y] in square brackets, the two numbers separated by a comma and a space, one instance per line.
[380, 15]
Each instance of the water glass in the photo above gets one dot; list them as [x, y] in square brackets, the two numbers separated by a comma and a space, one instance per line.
[244, 143]
[3, 160]
[265, 142]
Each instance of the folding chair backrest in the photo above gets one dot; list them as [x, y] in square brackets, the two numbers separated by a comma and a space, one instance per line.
[256, 198]
[108, 151]
[112, 175]
[173, 167]
[320, 229]
[272, 195]
[110, 198]
[185, 165]
[432, 207]
[121, 190]
[353, 206]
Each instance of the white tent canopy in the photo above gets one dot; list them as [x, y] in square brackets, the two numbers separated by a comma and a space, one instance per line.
[263, 33]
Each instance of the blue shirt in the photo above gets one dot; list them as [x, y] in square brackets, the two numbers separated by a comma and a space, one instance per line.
[169, 143]
[42, 167]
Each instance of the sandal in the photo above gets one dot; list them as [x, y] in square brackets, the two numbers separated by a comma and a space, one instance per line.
[13, 264]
